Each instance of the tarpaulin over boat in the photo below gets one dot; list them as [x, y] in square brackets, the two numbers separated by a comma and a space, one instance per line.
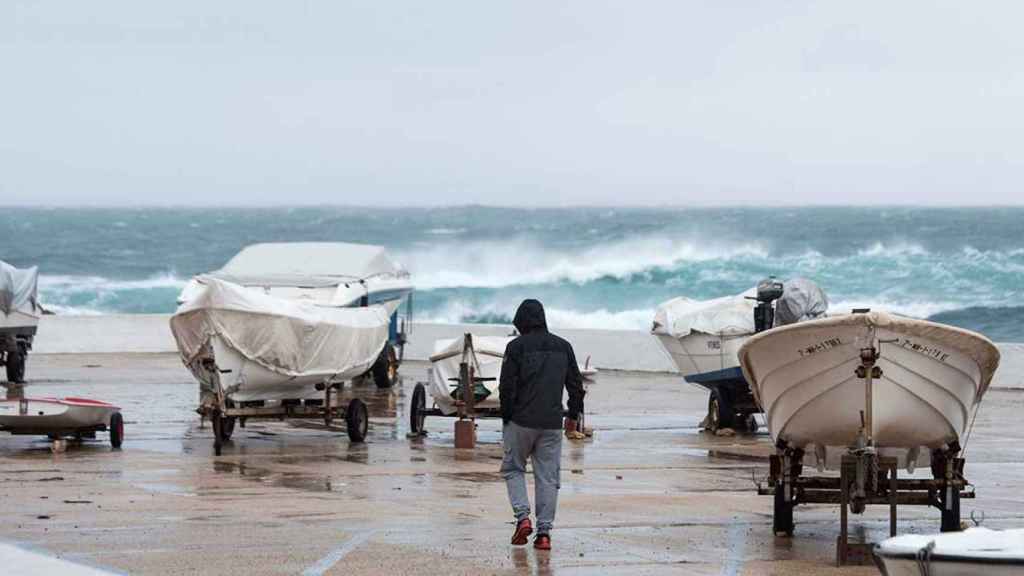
[313, 264]
[726, 316]
[801, 300]
[18, 289]
[284, 336]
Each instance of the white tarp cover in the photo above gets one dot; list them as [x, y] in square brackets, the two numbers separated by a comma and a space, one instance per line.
[285, 336]
[490, 351]
[726, 316]
[307, 263]
[801, 300]
[972, 543]
[18, 289]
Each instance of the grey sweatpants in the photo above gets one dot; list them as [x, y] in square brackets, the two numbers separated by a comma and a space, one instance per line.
[544, 447]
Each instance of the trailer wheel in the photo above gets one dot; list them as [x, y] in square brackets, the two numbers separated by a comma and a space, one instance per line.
[116, 429]
[357, 420]
[417, 409]
[16, 365]
[385, 368]
[720, 412]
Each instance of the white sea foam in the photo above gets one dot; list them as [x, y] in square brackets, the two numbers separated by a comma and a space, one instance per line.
[521, 262]
[894, 249]
[458, 311]
[99, 283]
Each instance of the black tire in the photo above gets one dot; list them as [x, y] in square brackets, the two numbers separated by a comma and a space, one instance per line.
[357, 420]
[385, 369]
[720, 411]
[116, 429]
[417, 409]
[16, 366]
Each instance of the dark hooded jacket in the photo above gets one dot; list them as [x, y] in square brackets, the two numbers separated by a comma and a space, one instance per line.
[538, 365]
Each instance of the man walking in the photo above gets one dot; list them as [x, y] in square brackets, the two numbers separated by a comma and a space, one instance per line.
[538, 365]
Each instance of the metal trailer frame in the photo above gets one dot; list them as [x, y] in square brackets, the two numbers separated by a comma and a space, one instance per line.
[865, 478]
[223, 413]
[730, 399]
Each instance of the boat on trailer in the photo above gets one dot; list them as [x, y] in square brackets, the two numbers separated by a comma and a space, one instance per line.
[463, 380]
[703, 336]
[19, 317]
[61, 418]
[865, 394]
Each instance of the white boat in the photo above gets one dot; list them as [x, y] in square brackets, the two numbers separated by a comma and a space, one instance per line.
[973, 552]
[335, 274]
[19, 317]
[704, 336]
[486, 355]
[805, 378]
[60, 417]
[262, 347]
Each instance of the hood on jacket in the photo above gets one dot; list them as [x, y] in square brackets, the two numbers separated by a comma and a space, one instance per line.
[530, 317]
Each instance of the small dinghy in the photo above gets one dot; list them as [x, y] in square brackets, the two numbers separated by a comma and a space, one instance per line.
[61, 417]
[973, 552]
[927, 380]
[485, 354]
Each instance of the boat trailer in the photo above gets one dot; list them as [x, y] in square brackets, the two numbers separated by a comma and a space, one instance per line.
[865, 478]
[731, 403]
[466, 409]
[223, 412]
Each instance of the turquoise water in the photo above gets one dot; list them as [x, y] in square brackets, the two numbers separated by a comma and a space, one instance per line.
[592, 267]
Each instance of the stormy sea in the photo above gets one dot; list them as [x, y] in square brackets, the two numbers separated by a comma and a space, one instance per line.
[592, 267]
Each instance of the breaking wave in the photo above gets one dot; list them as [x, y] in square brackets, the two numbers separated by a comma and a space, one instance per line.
[492, 264]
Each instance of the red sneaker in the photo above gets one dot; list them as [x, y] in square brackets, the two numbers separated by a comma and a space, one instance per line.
[522, 534]
[542, 542]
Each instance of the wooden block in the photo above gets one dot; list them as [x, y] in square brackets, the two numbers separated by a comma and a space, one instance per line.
[465, 434]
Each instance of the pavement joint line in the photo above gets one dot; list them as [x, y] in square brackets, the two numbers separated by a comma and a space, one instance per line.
[737, 538]
[334, 556]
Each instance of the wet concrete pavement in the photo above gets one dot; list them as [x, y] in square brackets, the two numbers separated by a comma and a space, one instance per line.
[649, 494]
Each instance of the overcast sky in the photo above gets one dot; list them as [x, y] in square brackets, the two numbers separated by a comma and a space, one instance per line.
[521, 103]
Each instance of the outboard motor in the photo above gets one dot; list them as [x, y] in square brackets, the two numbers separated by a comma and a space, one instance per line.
[768, 291]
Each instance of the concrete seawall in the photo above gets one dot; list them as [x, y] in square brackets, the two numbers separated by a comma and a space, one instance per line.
[608, 349]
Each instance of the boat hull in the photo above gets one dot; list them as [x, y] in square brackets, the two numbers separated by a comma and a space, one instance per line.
[804, 376]
[248, 381]
[904, 566]
[973, 551]
[18, 323]
[698, 352]
[53, 415]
